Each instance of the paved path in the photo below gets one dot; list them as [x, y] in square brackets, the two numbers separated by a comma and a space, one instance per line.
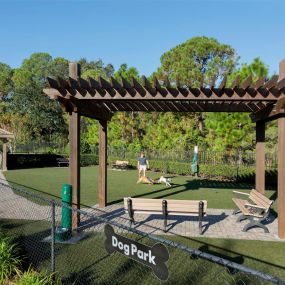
[13, 206]
[219, 223]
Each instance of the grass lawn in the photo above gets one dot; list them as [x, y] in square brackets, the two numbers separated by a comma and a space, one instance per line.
[123, 184]
[95, 264]
[87, 262]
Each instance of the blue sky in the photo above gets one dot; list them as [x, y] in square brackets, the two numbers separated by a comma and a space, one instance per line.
[139, 32]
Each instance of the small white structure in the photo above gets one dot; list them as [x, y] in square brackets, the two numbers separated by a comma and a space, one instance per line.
[5, 136]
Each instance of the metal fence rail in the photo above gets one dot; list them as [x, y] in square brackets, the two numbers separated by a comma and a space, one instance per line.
[32, 219]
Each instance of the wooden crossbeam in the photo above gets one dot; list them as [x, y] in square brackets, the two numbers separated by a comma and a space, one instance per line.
[84, 84]
[63, 83]
[167, 82]
[156, 83]
[259, 82]
[213, 81]
[223, 82]
[281, 84]
[174, 94]
[72, 83]
[271, 83]
[115, 84]
[53, 83]
[139, 88]
[104, 83]
[147, 85]
[235, 83]
[245, 84]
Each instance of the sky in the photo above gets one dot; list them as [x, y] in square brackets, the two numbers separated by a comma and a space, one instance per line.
[138, 32]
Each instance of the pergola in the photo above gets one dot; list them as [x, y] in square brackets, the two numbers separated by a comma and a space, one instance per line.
[5, 136]
[100, 99]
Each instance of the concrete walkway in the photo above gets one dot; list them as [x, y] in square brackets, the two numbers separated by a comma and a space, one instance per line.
[219, 223]
[13, 206]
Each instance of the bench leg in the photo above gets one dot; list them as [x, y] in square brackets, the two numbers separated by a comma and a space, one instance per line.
[241, 218]
[131, 212]
[253, 223]
[201, 214]
[132, 221]
[165, 223]
[200, 226]
[236, 211]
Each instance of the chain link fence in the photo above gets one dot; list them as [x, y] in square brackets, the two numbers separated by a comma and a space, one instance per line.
[32, 219]
[234, 157]
[244, 158]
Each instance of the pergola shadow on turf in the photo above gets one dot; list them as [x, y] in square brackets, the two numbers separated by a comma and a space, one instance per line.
[100, 99]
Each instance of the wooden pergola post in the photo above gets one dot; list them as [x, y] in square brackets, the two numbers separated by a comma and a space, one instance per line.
[102, 163]
[281, 178]
[281, 165]
[260, 157]
[74, 152]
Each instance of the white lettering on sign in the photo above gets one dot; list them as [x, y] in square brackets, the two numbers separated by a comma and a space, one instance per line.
[127, 249]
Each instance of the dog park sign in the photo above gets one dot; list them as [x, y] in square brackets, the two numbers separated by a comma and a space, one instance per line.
[154, 257]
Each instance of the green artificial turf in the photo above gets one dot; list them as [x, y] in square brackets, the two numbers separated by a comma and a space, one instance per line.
[123, 184]
[87, 262]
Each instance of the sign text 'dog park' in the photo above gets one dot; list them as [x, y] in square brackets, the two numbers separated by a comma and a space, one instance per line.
[154, 257]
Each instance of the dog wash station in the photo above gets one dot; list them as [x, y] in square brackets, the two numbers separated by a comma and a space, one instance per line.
[99, 99]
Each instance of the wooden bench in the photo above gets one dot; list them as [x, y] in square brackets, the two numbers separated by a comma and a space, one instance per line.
[120, 165]
[62, 160]
[165, 208]
[254, 207]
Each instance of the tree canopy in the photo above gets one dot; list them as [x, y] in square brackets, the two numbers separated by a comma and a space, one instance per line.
[30, 115]
[196, 61]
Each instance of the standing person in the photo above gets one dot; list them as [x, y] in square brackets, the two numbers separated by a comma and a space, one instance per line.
[142, 164]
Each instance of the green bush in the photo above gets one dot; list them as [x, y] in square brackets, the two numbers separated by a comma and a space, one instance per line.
[32, 277]
[9, 260]
[89, 159]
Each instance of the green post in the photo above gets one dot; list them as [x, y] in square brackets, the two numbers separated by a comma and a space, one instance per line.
[66, 198]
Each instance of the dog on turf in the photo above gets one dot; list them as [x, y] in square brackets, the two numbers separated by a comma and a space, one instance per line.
[146, 180]
[165, 180]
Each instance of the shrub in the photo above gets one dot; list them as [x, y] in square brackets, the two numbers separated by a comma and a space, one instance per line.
[32, 277]
[89, 159]
[9, 261]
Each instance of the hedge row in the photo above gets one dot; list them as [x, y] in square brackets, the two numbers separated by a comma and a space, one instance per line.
[241, 174]
[20, 161]
[183, 168]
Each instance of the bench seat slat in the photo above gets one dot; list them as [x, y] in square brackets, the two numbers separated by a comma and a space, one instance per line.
[169, 209]
[241, 205]
[168, 213]
[260, 199]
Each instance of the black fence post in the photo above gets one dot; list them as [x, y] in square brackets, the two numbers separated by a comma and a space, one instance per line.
[52, 237]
